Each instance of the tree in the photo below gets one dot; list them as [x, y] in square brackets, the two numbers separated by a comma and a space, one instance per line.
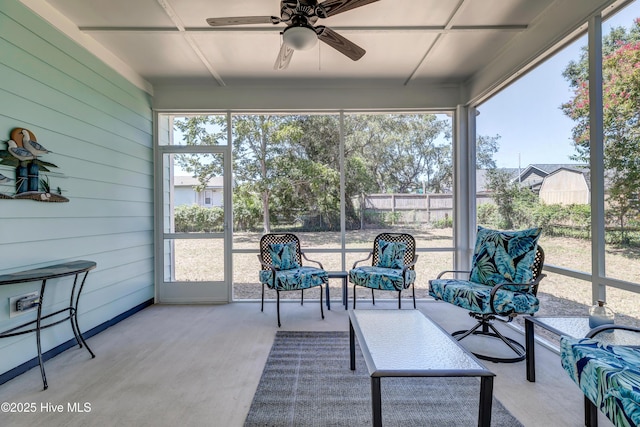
[279, 157]
[291, 162]
[486, 147]
[621, 115]
[401, 151]
[201, 130]
[513, 200]
[256, 147]
[320, 141]
[383, 152]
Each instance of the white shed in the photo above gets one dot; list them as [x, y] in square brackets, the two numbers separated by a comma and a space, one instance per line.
[566, 186]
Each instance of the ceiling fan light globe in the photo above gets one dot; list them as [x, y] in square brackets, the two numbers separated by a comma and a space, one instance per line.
[300, 38]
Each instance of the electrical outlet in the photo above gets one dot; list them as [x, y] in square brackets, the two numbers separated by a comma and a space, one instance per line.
[13, 304]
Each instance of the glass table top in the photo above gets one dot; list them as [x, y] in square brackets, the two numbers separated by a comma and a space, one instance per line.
[578, 327]
[407, 343]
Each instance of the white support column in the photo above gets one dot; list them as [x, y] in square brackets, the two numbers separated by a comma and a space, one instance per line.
[596, 140]
[228, 209]
[343, 214]
[472, 113]
[464, 169]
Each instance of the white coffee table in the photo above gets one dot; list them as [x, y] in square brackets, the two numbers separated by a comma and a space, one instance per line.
[406, 343]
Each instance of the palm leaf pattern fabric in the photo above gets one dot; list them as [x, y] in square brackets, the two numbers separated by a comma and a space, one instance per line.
[391, 254]
[294, 279]
[476, 297]
[284, 256]
[387, 279]
[608, 375]
[504, 256]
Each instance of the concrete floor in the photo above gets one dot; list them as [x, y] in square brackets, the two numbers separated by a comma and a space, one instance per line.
[199, 365]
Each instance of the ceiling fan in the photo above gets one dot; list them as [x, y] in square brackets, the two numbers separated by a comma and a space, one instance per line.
[300, 33]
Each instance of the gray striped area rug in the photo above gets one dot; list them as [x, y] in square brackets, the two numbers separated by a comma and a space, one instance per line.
[307, 382]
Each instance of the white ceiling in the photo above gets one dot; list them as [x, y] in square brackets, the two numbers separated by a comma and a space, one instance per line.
[474, 44]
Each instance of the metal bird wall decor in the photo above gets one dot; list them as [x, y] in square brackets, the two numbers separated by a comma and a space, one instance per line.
[24, 154]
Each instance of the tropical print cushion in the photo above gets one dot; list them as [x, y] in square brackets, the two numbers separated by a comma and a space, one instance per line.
[387, 279]
[504, 256]
[294, 279]
[476, 297]
[391, 254]
[283, 255]
[608, 375]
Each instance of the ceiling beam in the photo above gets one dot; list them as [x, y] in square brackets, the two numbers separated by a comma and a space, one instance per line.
[462, 4]
[408, 28]
[192, 43]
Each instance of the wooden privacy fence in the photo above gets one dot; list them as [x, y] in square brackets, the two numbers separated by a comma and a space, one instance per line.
[414, 208]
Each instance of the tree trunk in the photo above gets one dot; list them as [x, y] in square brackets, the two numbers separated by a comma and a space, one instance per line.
[265, 212]
[263, 171]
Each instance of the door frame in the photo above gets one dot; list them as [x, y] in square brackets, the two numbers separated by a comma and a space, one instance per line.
[179, 292]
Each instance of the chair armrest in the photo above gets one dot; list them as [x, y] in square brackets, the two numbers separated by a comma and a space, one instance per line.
[524, 286]
[595, 331]
[442, 273]
[311, 260]
[497, 287]
[362, 260]
[533, 283]
[407, 267]
[410, 265]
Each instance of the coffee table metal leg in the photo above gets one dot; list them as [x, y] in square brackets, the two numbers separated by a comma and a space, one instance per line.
[352, 346]
[486, 399]
[345, 298]
[376, 402]
[529, 346]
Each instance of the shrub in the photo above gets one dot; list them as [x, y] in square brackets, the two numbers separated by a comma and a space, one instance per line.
[247, 209]
[446, 222]
[381, 218]
[195, 218]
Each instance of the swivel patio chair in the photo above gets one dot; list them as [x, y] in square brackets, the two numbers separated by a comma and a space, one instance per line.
[392, 266]
[503, 282]
[282, 269]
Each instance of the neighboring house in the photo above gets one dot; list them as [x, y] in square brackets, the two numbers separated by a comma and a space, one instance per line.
[185, 193]
[533, 175]
[566, 186]
[563, 184]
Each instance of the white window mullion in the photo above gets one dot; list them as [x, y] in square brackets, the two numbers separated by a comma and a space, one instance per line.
[596, 159]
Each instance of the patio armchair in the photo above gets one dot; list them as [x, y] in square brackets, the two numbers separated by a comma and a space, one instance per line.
[393, 260]
[608, 375]
[282, 269]
[503, 282]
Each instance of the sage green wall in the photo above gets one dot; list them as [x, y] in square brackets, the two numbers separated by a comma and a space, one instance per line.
[99, 128]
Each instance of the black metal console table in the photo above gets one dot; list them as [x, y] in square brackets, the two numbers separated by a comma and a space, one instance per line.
[72, 268]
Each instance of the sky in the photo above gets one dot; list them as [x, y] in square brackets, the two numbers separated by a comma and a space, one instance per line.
[527, 114]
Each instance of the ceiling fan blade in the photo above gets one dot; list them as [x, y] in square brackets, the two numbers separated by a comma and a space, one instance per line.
[333, 7]
[284, 57]
[241, 20]
[339, 43]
